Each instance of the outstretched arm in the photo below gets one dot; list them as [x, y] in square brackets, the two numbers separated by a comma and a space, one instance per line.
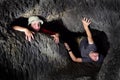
[28, 33]
[86, 22]
[72, 56]
[19, 28]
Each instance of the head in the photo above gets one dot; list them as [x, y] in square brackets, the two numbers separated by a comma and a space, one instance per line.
[94, 56]
[35, 23]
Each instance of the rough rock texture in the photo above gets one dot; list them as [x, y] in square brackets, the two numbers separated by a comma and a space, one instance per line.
[42, 59]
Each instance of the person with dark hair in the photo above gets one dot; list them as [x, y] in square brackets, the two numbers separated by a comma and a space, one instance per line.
[31, 25]
[87, 47]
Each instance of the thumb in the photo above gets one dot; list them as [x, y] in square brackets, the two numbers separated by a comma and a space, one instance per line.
[33, 32]
[52, 35]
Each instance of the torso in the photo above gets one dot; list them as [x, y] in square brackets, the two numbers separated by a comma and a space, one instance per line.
[85, 49]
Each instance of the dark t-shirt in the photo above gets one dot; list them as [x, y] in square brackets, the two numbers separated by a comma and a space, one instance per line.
[86, 48]
[23, 22]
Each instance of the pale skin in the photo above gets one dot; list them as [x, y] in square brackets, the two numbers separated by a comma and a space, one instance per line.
[86, 22]
[29, 34]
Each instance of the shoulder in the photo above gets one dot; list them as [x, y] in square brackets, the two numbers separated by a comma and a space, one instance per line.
[92, 47]
[101, 58]
[21, 21]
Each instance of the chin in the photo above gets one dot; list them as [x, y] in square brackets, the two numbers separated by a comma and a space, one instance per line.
[37, 29]
[96, 60]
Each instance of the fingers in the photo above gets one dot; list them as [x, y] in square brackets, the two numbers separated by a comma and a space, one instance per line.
[87, 20]
[53, 36]
[26, 37]
[65, 43]
[33, 32]
[56, 39]
[67, 46]
[32, 36]
[29, 37]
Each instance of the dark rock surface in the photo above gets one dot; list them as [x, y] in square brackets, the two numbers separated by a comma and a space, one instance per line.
[42, 59]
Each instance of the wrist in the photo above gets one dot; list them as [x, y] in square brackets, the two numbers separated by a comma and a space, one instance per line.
[69, 50]
[25, 30]
[86, 27]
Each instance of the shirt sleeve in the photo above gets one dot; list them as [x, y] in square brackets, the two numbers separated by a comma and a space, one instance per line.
[47, 31]
[92, 47]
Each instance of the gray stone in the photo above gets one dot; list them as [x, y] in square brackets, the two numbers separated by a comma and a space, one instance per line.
[42, 59]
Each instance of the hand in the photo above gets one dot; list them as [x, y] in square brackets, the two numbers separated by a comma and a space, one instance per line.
[67, 46]
[86, 22]
[56, 38]
[28, 35]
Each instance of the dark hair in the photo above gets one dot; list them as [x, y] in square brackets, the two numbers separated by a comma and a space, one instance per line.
[95, 51]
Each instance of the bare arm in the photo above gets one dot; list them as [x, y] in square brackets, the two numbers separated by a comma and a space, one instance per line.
[75, 59]
[72, 56]
[86, 22]
[19, 28]
[28, 33]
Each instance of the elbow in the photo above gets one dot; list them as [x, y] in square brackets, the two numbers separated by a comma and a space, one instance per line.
[79, 60]
[74, 59]
[14, 27]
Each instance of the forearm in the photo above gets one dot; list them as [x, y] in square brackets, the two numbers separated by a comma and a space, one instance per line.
[86, 22]
[74, 58]
[19, 28]
[89, 35]
[87, 30]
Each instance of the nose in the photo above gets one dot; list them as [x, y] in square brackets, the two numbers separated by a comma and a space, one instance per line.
[36, 25]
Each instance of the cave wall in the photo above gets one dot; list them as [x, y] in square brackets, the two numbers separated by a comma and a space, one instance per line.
[42, 59]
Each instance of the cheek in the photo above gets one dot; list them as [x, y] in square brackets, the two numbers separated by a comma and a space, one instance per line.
[33, 26]
[93, 56]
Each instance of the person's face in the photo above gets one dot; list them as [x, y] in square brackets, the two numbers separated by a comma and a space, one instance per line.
[35, 25]
[94, 56]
